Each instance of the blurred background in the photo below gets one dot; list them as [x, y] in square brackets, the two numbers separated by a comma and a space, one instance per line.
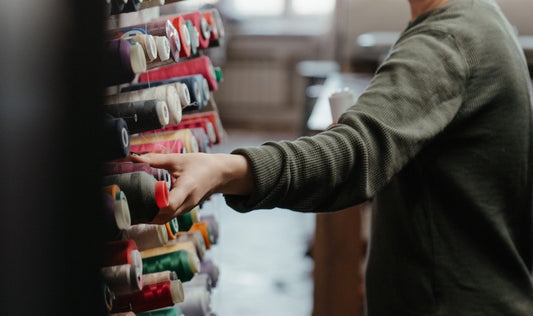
[280, 60]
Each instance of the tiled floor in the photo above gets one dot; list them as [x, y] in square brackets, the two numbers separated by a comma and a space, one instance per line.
[262, 258]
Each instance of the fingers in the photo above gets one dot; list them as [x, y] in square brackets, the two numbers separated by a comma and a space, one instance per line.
[165, 161]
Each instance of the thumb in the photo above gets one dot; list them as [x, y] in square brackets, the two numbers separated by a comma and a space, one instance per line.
[165, 161]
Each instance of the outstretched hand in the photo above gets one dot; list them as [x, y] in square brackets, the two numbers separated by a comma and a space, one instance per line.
[197, 176]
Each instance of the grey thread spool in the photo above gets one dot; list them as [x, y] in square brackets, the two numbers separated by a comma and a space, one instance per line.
[142, 115]
[145, 194]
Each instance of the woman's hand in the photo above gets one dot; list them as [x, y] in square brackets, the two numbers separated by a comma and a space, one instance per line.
[197, 176]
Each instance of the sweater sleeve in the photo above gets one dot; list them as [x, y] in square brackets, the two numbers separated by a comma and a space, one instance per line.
[413, 97]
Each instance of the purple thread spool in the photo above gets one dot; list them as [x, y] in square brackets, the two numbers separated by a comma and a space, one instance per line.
[117, 62]
[212, 223]
[208, 267]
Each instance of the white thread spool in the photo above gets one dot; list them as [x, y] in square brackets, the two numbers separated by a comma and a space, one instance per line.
[123, 279]
[340, 101]
[163, 48]
[200, 280]
[206, 93]
[147, 236]
[158, 277]
[197, 301]
[122, 211]
[137, 57]
[167, 93]
[147, 42]
[185, 95]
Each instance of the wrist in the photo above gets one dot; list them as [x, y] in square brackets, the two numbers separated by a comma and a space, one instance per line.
[235, 174]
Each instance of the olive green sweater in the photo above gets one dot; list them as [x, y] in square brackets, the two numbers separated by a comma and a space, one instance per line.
[441, 141]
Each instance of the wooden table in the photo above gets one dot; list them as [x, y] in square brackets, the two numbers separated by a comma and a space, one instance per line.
[339, 249]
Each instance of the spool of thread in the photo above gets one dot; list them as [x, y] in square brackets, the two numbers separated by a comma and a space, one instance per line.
[207, 266]
[159, 146]
[119, 252]
[122, 279]
[117, 62]
[185, 37]
[185, 135]
[194, 84]
[110, 227]
[200, 280]
[167, 311]
[204, 144]
[195, 38]
[137, 57]
[122, 211]
[107, 8]
[145, 194]
[172, 228]
[141, 116]
[117, 6]
[203, 123]
[202, 27]
[157, 27]
[211, 116]
[132, 6]
[152, 296]
[146, 236]
[117, 167]
[151, 3]
[218, 74]
[181, 262]
[197, 302]
[184, 90]
[170, 248]
[116, 142]
[185, 221]
[204, 229]
[167, 93]
[148, 44]
[200, 65]
[217, 27]
[195, 237]
[212, 223]
[163, 48]
[108, 297]
[158, 277]
[112, 190]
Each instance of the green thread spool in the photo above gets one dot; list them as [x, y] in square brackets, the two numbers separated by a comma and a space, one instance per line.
[174, 225]
[218, 74]
[193, 32]
[178, 261]
[186, 221]
[167, 311]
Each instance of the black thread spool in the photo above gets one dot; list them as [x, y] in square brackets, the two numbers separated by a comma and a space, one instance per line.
[132, 6]
[141, 116]
[145, 194]
[117, 6]
[116, 142]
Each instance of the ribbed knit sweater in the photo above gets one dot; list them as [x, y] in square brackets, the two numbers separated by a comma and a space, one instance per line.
[441, 141]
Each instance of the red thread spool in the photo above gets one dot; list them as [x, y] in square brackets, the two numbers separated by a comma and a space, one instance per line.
[152, 296]
[209, 15]
[119, 252]
[212, 116]
[185, 38]
[201, 25]
[165, 146]
[201, 65]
